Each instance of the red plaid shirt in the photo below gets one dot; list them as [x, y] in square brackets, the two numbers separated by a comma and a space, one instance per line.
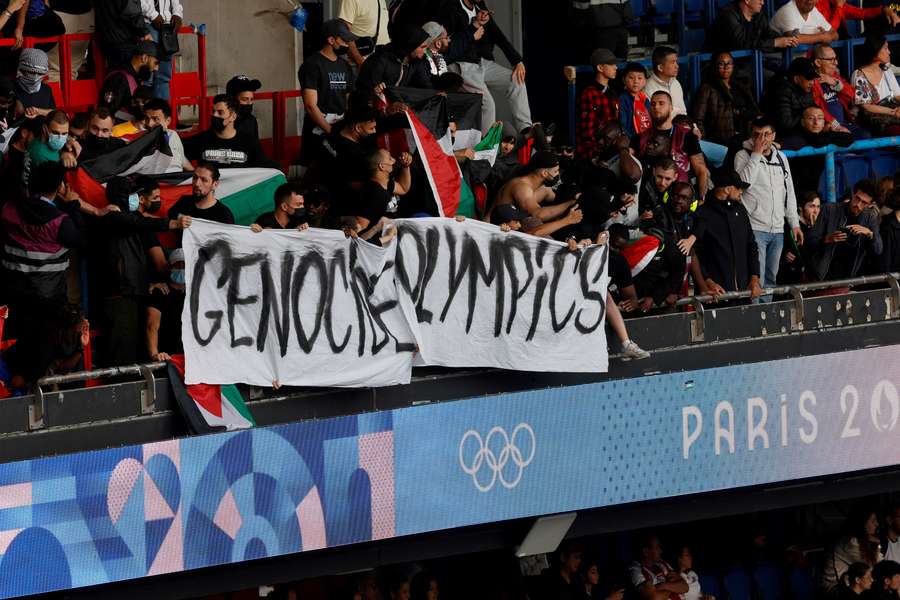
[596, 108]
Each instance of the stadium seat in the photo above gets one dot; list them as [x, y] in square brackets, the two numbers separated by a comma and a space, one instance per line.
[801, 585]
[709, 584]
[737, 584]
[884, 163]
[854, 168]
[767, 579]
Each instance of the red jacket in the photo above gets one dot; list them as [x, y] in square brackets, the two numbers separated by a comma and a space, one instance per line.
[845, 97]
[837, 15]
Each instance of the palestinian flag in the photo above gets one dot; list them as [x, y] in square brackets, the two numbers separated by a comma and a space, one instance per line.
[208, 408]
[488, 148]
[429, 137]
[247, 192]
[640, 252]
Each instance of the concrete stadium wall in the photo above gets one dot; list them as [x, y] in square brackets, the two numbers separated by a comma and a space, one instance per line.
[255, 38]
[250, 38]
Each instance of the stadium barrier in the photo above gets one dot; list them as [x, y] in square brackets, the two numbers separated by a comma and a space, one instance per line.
[829, 153]
[37, 406]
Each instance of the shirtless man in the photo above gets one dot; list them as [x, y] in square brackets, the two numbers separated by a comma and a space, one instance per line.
[530, 191]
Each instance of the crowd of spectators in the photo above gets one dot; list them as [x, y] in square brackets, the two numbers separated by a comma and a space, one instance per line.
[701, 172]
[779, 555]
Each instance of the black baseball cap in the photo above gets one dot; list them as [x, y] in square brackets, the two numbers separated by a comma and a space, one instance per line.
[803, 67]
[148, 47]
[504, 213]
[241, 83]
[337, 28]
[728, 177]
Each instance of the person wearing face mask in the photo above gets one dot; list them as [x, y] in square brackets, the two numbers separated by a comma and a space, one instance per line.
[164, 308]
[325, 80]
[49, 144]
[128, 254]
[381, 195]
[242, 88]
[222, 144]
[289, 213]
[534, 188]
[345, 152]
[121, 84]
[34, 96]
[99, 138]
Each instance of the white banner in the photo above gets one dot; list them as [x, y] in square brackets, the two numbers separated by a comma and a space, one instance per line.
[475, 296]
[307, 308]
[313, 308]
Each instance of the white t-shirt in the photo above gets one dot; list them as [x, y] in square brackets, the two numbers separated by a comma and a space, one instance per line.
[693, 581]
[788, 18]
[177, 164]
[892, 552]
[888, 87]
[363, 17]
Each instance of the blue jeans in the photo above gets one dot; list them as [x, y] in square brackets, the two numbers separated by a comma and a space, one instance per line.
[161, 79]
[770, 246]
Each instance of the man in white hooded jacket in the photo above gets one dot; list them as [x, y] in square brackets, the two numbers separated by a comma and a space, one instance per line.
[770, 200]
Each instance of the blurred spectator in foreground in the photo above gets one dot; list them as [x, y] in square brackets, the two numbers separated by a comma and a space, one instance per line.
[860, 542]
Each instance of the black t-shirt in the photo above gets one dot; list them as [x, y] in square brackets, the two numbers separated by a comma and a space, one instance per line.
[187, 205]
[346, 159]
[248, 126]
[268, 221]
[332, 80]
[170, 307]
[71, 7]
[619, 271]
[376, 202]
[43, 98]
[239, 151]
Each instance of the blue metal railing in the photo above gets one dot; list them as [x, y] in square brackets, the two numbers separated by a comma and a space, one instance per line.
[831, 150]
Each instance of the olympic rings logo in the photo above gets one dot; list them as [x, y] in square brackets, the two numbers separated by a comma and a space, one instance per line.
[496, 464]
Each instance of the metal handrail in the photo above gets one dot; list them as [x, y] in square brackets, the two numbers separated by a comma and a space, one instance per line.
[789, 289]
[830, 150]
[37, 409]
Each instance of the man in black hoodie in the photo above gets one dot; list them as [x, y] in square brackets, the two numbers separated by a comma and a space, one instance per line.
[398, 64]
[473, 20]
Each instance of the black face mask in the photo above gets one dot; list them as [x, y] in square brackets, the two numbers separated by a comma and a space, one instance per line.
[245, 110]
[144, 73]
[154, 206]
[218, 124]
[98, 142]
[342, 50]
[552, 182]
[298, 218]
